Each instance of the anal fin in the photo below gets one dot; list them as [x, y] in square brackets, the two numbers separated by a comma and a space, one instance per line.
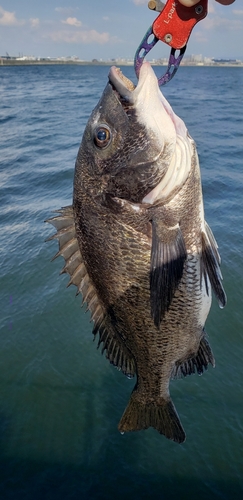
[198, 363]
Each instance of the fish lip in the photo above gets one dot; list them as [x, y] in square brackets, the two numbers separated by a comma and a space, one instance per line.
[126, 88]
[121, 84]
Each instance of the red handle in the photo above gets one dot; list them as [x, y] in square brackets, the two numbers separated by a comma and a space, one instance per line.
[175, 23]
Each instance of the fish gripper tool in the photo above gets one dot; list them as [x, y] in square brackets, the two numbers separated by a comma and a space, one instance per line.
[173, 26]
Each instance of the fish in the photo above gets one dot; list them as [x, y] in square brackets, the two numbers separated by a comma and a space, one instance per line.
[137, 246]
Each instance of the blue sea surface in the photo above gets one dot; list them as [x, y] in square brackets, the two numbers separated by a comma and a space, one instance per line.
[60, 400]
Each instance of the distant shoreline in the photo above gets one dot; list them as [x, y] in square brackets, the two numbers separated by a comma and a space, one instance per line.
[11, 62]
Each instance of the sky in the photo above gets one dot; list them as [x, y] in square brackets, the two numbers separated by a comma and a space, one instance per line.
[106, 29]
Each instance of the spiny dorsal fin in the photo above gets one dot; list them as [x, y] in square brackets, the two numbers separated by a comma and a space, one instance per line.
[75, 267]
[210, 265]
[168, 255]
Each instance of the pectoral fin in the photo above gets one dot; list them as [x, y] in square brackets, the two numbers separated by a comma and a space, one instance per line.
[168, 255]
[210, 265]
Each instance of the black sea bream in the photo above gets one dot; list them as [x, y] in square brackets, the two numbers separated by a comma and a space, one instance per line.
[136, 244]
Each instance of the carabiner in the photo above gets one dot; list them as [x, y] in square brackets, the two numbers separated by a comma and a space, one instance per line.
[173, 63]
[173, 26]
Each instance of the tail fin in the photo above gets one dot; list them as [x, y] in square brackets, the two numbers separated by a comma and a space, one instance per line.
[159, 414]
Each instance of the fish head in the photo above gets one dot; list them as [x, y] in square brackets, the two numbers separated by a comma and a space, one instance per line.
[129, 147]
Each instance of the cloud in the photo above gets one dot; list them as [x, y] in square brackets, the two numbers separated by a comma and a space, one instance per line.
[200, 37]
[72, 21]
[221, 22]
[106, 18]
[89, 36]
[34, 22]
[140, 2]
[211, 9]
[238, 12]
[9, 19]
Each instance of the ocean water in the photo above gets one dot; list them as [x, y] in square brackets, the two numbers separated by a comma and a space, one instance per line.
[60, 400]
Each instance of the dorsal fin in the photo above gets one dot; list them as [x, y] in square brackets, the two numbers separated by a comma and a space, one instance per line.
[75, 267]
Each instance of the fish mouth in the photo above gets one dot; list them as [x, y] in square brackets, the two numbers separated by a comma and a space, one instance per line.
[121, 83]
[151, 107]
[170, 142]
[146, 96]
[126, 88]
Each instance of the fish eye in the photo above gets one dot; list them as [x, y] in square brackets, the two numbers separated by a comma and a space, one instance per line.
[102, 136]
